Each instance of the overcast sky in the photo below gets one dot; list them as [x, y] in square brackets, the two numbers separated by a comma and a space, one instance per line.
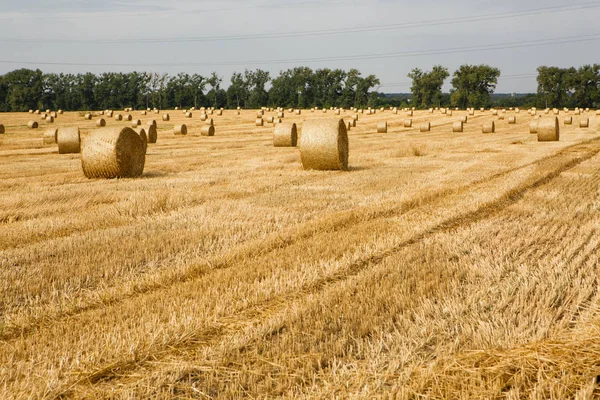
[145, 35]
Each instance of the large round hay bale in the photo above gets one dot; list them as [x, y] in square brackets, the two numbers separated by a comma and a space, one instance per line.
[69, 140]
[324, 144]
[533, 126]
[32, 124]
[425, 127]
[548, 129]
[118, 117]
[408, 123]
[166, 117]
[151, 133]
[584, 123]
[50, 136]
[87, 116]
[180, 129]
[286, 135]
[512, 120]
[488, 127]
[207, 130]
[113, 153]
[457, 126]
[259, 122]
[568, 120]
[49, 119]
[382, 127]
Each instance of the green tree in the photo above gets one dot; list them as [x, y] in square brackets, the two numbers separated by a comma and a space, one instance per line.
[553, 86]
[473, 85]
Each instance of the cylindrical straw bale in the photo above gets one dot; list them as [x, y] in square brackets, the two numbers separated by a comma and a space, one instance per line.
[409, 113]
[548, 129]
[209, 121]
[494, 112]
[408, 123]
[382, 127]
[270, 120]
[488, 127]
[128, 117]
[324, 144]
[285, 135]
[37, 112]
[135, 123]
[203, 117]
[584, 123]
[151, 133]
[152, 122]
[533, 125]
[512, 120]
[87, 116]
[101, 123]
[260, 113]
[207, 130]
[464, 119]
[68, 140]
[298, 112]
[166, 117]
[144, 112]
[142, 133]
[568, 120]
[280, 114]
[425, 127]
[50, 136]
[220, 113]
[118, 117]
[457, 126]
[180, 129]
[449, 113]
[109, 113]
[188, 114]
[50, 119]
[32, 124]
[30, 111]
[259, 122]
[53, 114]
[471, 112]
[113, 153]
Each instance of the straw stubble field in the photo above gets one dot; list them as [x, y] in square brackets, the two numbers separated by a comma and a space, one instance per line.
[448, 265]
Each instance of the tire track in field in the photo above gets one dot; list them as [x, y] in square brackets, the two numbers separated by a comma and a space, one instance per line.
[342, 220]
[252, 315]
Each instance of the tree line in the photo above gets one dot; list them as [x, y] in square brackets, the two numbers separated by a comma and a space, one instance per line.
[301, 87]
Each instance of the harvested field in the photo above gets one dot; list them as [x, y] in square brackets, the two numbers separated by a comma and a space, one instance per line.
[440, 265]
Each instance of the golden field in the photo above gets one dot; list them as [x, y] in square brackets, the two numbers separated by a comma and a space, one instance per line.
[440, 266]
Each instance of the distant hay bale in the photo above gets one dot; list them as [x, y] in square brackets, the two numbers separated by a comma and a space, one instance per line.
[512, 120]
[209, 121]
[471, 112]
[488, 127]
[207, 130]
[584, 123]
[577, 112]
[30, 111]
[128, 117]
[409, 113]
[568, 120]
[43, 116]
[457, 126]
[53, 114]
[352, 123]
[69, 140]
[144, 113]
[180, 129]
[109, 113]
[382, 127]
[556, 112]
[135, 123]
[270, 120]
[220, 113]
[203, 117]
[408, 123]
[280, 114]
[355, 117]
[156, 111]
[533, 126]
[142, 134]
[47, 111]
[50, 119]
[431, 111]
[298, 112]
[548, 129]
[464, 119]
[425, 127]
[101, 123]
[113, 153]
[166, 117]
[118, 117]
[32, 124]
[152, 122]
[500, 117]
[37, 112]
[324, 145]
[211, 111]
[285, 135]
[449, 113]
[188, 114]
[87, 116]
[395, 111]
[494, 112]
[260, 113]
[2, 130]
[151, 133]
[259, 122]
[50, 136]
[349, 125]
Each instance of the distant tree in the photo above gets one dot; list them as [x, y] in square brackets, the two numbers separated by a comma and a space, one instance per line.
[553, 85]
[25, 89]
[585, 86]
[427, 86]
[472, 85]
[215, 82]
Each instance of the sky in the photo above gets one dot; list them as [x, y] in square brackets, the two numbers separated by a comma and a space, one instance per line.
[383, 37]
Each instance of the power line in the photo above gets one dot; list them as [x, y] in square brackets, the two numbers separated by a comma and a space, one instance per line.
[455, 50]
[280, 35]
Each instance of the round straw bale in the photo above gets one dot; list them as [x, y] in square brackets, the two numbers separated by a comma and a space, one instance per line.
[337, 112]
[577, 112]
[431, 111]
[488, 127]
[548, 129]
[464, 119]
[353, 123]
[355, 117]
[556, 112]
[220, 112]
[210, 112]
[494, 112]
[408, 123]
[395, 111]
[152, 122]
[203, 117]
[382, 127]
[144, 112]
[101, 123]
[113, 153]
[280, 114]
[188, 114]
[109, 113]
[568, 120]
[260, 113]
[53, 114]
[69, 140]
[324, 144]
[349, 125]
[259, 122]
[409, 113]
[37, 112]
[207, 130]
[180, 129]
[425, 127]
[512, 120]
[209, 121]
[135, 123]
[457, 126]
[128, 117]
[50, 136]
[533, 126]
[47, 111]
[156, 111]
[270, 120]
[285, 135]
[142, 133]
[471, 112]
[500, 117]
[87, 116]
[30, 111]
[49, 119]
[2, 130]
[32, 124]
[584, 123]
[151, 133]
[43, 116]
[166, 117]
[118, 117]
[298, 112]
[449, 113]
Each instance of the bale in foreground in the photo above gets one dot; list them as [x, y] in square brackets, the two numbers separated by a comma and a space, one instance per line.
[68, 140]
[548, 129]
[50, 136]
[285, 135]
[324, 145]
[113, 153]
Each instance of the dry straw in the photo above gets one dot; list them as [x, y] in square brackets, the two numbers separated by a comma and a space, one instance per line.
[69, 140]
[270, 120]
[425, 127]
[260, 113]
[568, 120]
[259, 122]
[50, 119]
[50, 136]
[471, 112]
[118, 117]
[584, 123]
[512, 120]
[152, 122]
[408, 123]
[349, 125]
[166, 117]
[382, 127]
[54, 114]
[220, 113]
[87, 116]
[548, 129]
[37, 112]
[210, 122]
[151, 133]
[464, 119]
[180, 129]
[449, 113]
[286, 135]
[188, 115]
[324, 144]
[109, 113]
[32, 124]
[2, 129]
[533, 125]
[113, 153]
[207, 130]
[135, 123]
[457, 126]
[488, 127]
[128, 117]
